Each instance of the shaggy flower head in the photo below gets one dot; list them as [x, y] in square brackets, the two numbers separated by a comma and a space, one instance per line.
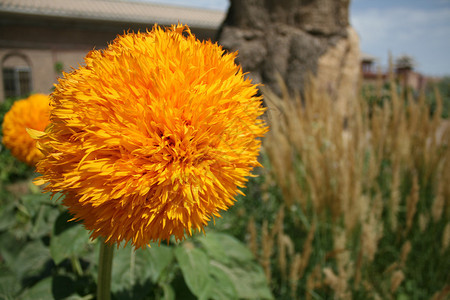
[152, 137]
[32, 113]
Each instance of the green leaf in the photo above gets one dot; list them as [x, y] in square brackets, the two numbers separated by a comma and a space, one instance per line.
[69, 239]
[240, 275]
[134, 270]
[42, 213]
[33, 202]
[223, 287]
[40, 291]
[156, 260]
[225, 248]
[194, 265]
[32, 260]
[249, 280]
[7, 216]
[10, 247]
[9, 285]
[44, 221]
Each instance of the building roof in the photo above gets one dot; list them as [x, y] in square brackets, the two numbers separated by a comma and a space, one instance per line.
[368, 57]
[115, 10]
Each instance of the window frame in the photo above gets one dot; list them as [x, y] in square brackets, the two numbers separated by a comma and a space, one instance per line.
[18, 87]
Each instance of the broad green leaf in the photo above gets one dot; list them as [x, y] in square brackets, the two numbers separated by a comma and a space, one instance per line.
[238, 269]
[9, 285]
[222, 287]
[7, 216]
[32, 260]
[157, 259]
[40, 291]
[225, 248]
[10, 247]
[232, 270]
[249, 280]
[43, 224]
[33, 202]
[194, 265]
[234, 261]
[135, 270]
[68, 239]
[124, 273]
[44, 220]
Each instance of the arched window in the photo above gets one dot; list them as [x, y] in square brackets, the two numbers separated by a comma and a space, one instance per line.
[16, 75]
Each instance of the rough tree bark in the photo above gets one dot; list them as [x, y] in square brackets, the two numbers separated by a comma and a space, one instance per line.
[294, 38]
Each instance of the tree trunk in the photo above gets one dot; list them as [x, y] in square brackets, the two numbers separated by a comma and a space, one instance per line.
[294, 38]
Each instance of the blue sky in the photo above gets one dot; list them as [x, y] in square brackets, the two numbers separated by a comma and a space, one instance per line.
[418, 28]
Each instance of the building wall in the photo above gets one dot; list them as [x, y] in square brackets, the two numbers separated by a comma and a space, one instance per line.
[70, 59]
[42, 64]
[405, 77]
[44, 42]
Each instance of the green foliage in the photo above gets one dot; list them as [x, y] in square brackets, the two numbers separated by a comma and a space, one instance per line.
[43, 253]
[59, 67]
[378, 96]
[68, 239]
[442, 86]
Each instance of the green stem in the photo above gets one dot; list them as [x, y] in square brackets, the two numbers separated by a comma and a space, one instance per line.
[132, 264]
[104, 271]
[76, 266]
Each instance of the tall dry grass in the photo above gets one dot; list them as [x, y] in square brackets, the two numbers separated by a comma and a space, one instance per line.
[365, 198]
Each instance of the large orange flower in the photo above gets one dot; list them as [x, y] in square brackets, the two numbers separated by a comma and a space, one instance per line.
[152, 137]
[32, 113]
